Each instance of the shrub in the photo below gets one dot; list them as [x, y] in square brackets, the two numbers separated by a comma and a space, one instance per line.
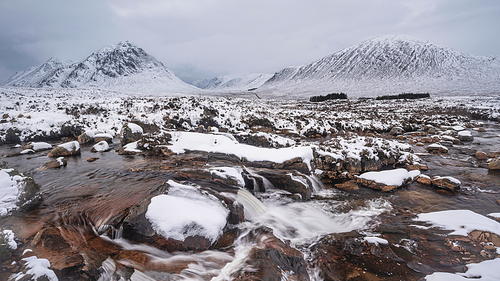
[332, 96]
[405, 96]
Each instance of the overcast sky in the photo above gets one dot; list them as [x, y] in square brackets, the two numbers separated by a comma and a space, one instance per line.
[200, 39]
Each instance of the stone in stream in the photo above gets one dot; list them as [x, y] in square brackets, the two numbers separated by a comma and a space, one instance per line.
[271, 259]
[481, 155]
[130, 132]
[66, 149]
[494, 164]
[448, 183]
[55, 163]
[436, 148]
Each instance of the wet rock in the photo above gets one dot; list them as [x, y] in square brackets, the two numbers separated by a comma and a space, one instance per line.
[288, 180]
[448, 183]
[101, 146]
[494, 164]
[85, 138]
[465, 136]
[52, 164]
[271, 259]
[481, 155]
[130, 132]
[424, 179]
[436, 148]
[348, 185]
[92, 159]
[352, 165]
[137, 228]
[347, 256]
[66, 149]
[493, 155]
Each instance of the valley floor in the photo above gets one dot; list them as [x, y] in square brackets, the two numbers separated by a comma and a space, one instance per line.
[98, 185]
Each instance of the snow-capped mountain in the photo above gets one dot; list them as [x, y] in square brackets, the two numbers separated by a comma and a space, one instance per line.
[123, 66]
[234, 82]
[386, 65]
[35, 76]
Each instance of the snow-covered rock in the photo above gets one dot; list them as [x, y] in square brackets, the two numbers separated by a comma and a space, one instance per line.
[66, 149]
[17, 191]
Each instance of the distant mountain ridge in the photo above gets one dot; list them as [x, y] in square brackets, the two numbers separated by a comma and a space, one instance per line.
[234, 82]
[389, 64]
[123, 66]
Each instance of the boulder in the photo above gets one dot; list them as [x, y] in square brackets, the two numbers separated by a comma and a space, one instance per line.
[288, 180]
[387, 180]
[271, 259]
[103, 137]
[436, 148]
[424, 179]
[101, 146]
[481, 155]
[85, 138]
[52, 164]
[494, 164]
[66, 149]
[465, 136]
[448, 183]
[348, 185]
[130, 132]
[37, 146]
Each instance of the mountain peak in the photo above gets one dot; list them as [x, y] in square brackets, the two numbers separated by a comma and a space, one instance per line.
[391, 64]
[121, 66]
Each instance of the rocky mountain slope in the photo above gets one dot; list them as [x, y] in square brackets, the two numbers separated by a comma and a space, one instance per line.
[234, 82]
[123, 66]
[389, 64]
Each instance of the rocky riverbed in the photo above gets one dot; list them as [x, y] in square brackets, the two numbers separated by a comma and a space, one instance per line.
[236, 189]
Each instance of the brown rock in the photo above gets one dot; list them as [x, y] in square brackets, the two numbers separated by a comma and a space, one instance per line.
[423, 179]
[493, 155]
[52, 164]
[481, 155]
[348, 185]
[84, 138]
[92, 159]
[375, 185]
[494, 164]
[436, 148]
[448, 183]
[60, 150]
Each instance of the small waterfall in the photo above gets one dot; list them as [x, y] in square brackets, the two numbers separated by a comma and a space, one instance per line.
[317, 185]
[267, 184]
[252, 206]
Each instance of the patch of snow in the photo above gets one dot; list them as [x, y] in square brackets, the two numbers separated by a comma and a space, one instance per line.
[375, 240]
[229, 172]
[488, 270]
[9, 234]
[135, 128]
[494, 215]
[27, 151]
[390, 177]
[186, 211]
[132, 147]
[9, 191]
[36, 268]
[460, 221]
[222, 144]
[40, 145]
[101, 146]
[105, 135]
[465, 133]
[70, 146]
[59, 159]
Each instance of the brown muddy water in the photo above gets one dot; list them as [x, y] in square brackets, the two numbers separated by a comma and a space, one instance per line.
[97, 191]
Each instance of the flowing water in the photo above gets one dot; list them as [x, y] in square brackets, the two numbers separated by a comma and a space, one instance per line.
[98, 191]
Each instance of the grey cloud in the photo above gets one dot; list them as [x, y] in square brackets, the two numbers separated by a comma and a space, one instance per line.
[197, 38]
